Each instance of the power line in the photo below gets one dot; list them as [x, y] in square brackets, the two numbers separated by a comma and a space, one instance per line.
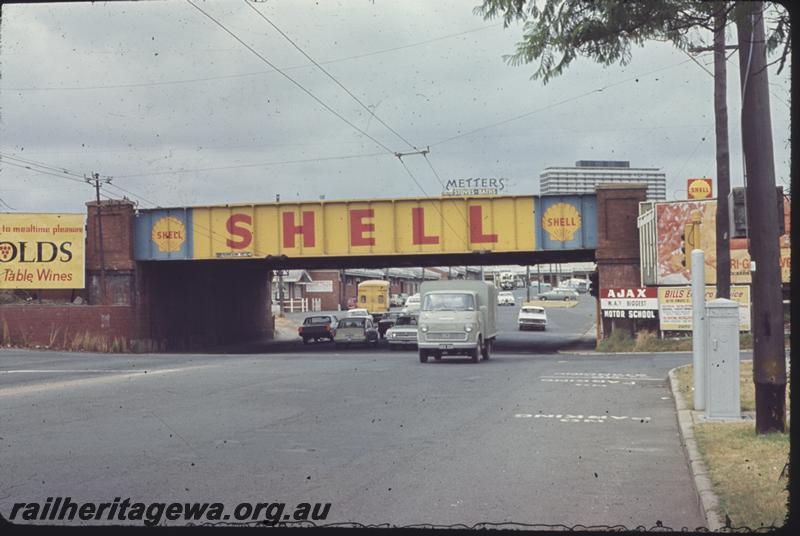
[29, 168]
[258, 73]
[39, 164]
[262, 164]
[555, 104]
[292, 80]
[329, 75]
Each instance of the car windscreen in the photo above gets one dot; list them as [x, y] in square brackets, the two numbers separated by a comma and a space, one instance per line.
[406, 321]
[537, 310]
[449, 302]
[317, 320]
[352, 323]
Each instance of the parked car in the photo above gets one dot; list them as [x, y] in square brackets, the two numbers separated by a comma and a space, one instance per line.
[387, 321]
[558, 294]
[356, 329]
[506, 298]
[532, 317]
[403, 333]
[541, 287]
[318, 327]
[412, 304]
[358, 312]
[398, 300]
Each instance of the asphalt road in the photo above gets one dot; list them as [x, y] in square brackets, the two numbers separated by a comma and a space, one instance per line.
[527, 437]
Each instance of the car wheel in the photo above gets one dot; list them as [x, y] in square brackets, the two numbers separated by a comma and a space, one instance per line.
[423, 356]
[543, 298]
[475, 353]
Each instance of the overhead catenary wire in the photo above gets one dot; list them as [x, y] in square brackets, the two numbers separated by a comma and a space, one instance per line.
[292, 80]
[43, 172]
[38, 164]
[329, 75]
[555, 104]
[257, 73]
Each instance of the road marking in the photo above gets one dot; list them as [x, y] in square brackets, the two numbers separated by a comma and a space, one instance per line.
[580, 418]
[84, 382]
[52, 371]
[604, 375]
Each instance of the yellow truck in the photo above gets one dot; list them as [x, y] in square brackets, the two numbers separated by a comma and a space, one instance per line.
[373, 295]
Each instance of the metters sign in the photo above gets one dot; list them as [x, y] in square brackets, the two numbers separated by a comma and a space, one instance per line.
[636, 302]
[338, 228]
[39, 251]
[475, 186]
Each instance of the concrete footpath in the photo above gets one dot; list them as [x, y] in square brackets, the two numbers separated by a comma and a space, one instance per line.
[687, 418]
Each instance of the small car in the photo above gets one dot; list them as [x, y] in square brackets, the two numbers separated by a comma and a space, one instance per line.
[403, 333]
[317, 327]
[358, 312]
[532, 317]
[356, 330]
[558, 294]
[398, 300]
[412, 304]
[506, 298]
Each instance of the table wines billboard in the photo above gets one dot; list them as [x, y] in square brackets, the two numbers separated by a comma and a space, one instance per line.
[40, 251]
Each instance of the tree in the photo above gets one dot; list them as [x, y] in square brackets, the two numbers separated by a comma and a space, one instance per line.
[555, 32]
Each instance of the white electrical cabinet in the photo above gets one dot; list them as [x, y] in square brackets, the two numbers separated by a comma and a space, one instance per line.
[722, 360]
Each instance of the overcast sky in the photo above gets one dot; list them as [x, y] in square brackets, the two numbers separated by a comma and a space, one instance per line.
[178, 112]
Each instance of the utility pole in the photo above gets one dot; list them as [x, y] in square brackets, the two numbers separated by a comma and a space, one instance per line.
[528, 281]
[769, 361]
[96, 181]
[723, 249]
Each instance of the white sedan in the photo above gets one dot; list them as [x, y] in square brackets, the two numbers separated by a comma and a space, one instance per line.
[532, 317]
[506, 298]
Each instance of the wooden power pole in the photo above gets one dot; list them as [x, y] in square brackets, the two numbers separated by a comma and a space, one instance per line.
[769, 360]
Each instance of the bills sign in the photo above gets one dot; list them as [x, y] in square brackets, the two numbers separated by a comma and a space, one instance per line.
[634, 303]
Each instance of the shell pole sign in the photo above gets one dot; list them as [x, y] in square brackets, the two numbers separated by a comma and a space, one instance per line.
[698, 188]
[39, 251]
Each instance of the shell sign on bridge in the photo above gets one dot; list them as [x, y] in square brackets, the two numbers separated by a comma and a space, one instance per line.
[342, 228]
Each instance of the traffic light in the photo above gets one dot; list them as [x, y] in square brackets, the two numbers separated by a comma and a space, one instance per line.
[594, 284]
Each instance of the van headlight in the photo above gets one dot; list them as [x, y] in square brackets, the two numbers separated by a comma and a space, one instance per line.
[423, 328]
[468, 328]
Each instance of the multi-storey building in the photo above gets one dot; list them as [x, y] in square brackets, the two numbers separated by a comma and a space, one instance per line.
[587, 174]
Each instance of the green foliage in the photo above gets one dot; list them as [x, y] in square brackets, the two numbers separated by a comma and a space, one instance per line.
[556, 32]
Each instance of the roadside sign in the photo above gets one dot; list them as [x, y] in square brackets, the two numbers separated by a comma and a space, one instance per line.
[633, 302]
[675, 306]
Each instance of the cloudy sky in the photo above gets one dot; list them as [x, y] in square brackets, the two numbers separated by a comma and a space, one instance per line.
[178, 112]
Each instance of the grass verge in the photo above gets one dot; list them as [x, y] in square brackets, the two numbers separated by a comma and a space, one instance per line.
[749, 472]
[648, 341]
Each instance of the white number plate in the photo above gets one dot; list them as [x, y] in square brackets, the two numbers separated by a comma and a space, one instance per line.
[445, 346]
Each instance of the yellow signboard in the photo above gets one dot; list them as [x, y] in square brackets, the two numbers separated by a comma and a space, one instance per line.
[699, 188]
[561, 221]
[675, 306]
[345, 228]
[39, 251]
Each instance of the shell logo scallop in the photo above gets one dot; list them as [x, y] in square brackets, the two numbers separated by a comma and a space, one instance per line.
[169, 234]
[561, 221]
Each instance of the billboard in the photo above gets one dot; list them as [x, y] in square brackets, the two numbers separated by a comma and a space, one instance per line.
[372, 227]
[673, 218]
[39, 251]
[675, 306]
[635, 302]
